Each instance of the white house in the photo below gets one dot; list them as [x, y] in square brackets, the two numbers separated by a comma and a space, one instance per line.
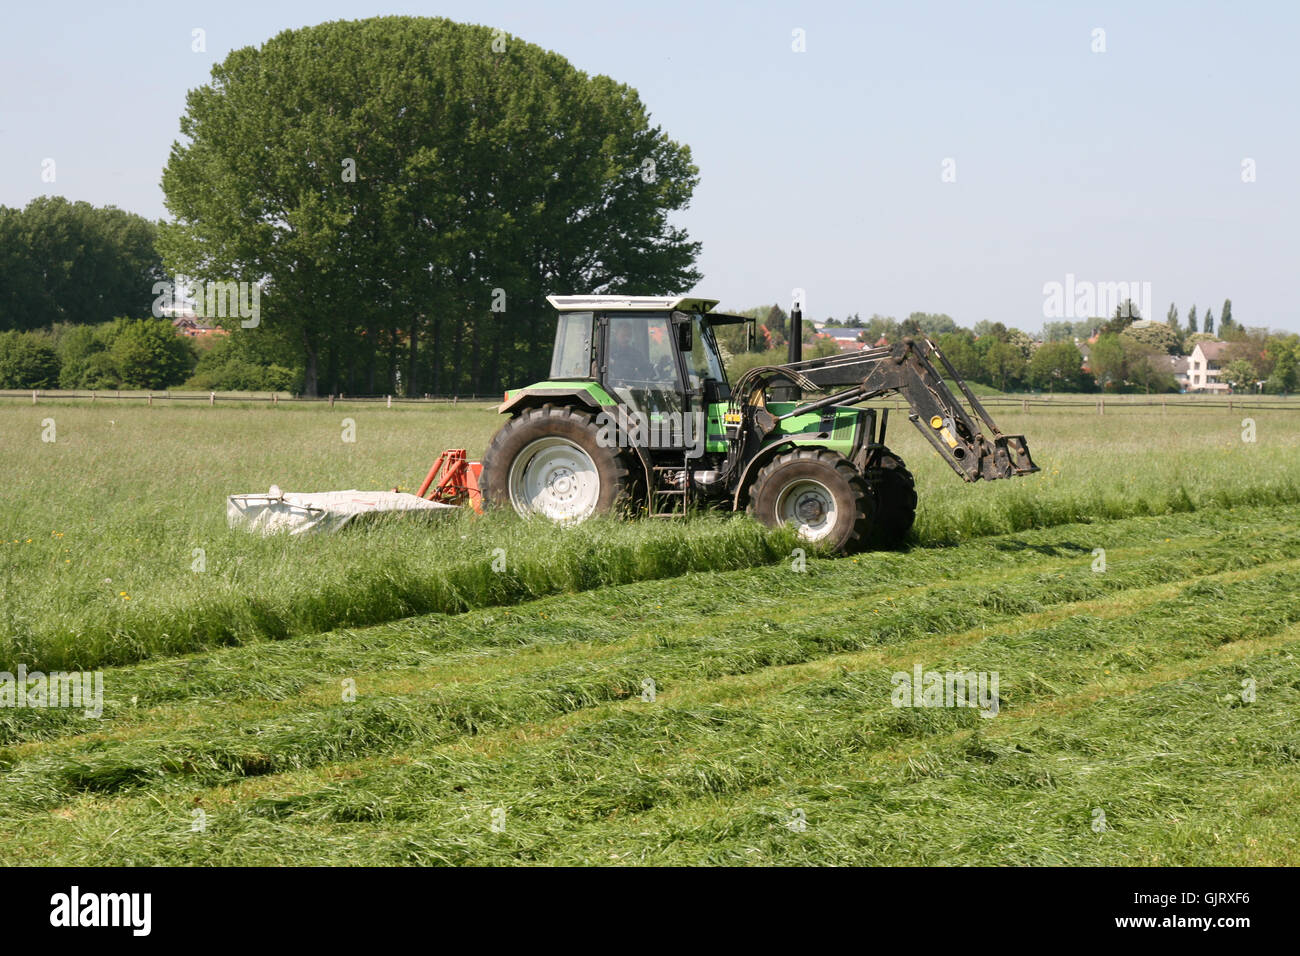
[1204, 367]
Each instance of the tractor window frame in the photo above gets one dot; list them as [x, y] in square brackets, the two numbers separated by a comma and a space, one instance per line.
[572, 357]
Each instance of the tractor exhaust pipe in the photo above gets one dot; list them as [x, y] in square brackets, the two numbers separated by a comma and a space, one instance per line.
[793, 353]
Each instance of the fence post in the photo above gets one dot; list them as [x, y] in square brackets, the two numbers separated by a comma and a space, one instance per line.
[390, 401]
[33, 396]
[1024, 406]
[212, 399]
[151, 399]
[331, 399]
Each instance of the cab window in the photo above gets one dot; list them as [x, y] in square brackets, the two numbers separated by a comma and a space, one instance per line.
[572, 356]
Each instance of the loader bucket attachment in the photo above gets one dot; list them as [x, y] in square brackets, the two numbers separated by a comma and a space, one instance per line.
[1010, 457]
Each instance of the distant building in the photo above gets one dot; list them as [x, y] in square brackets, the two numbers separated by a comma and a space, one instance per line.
[1204, 368]
[846, 339]
[194, 327]
[1180, 365]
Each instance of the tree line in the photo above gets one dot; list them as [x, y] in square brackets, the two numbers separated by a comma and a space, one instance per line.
[1125, 354]
[404, 192]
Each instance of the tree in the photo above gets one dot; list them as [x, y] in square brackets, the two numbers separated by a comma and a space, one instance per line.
[1209, 321]
[1191, 321]
[1253, 346]
[1057, 365]
[777, 321]
[1225, 316]
[987, 329]
[148, 353]
[1147, 366]
[959, 348]
[240, 363]
[1171, 317]
[1107, 361]
[83, 358]
[1240, 374]
[399, 181]
[879, 325]
[64, 261]
[933, 324]
[1283, 379]
[26, 361]
[1125, 315]
[1156, 336]
[1005, 364]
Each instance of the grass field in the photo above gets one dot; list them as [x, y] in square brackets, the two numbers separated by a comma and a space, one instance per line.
[505, 717]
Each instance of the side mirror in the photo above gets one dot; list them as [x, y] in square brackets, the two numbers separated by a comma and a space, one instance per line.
[684, 337]
[682, 323]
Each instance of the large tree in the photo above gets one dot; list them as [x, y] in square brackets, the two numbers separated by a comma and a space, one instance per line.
[410, 189]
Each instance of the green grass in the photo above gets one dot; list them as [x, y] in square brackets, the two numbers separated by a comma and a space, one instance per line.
[522, 691]
[763, 707]
[98, 540]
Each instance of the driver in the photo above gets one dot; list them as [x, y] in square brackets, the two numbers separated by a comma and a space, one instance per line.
[629, 355]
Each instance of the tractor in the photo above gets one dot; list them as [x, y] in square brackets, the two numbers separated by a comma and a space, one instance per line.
[638, 416]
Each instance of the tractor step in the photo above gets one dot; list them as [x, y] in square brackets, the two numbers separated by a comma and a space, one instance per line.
[668, 498]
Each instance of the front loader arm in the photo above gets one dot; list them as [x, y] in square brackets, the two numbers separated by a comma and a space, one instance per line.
[970, 441]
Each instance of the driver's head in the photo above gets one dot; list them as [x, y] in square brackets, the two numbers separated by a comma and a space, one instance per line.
[629, 338]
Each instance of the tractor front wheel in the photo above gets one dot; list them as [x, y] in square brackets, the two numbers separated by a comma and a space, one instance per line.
[820, 493]
[895, 492]
[549, 461]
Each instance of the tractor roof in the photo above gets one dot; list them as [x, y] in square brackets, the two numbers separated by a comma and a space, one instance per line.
[630, 303]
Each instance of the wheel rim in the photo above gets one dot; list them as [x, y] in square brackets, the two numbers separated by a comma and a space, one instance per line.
[810, 506]
[555, 478]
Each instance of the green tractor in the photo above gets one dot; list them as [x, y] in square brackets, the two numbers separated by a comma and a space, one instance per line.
[638, 416]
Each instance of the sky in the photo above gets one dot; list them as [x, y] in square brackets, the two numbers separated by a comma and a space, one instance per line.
[940, 157]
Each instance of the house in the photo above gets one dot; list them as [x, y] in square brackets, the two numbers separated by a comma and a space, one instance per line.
[1204, 367]
[1179, 365]
[846, 339]
[194, 327]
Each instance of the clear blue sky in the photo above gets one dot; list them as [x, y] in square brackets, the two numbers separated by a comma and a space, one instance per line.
[819, 169]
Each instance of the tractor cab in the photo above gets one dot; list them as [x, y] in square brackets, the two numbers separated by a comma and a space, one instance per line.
[655, 355]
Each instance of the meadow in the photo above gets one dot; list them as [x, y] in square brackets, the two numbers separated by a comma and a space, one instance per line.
[504, 717]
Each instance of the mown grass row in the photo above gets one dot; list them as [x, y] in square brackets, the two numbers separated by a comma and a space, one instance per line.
[714, 769]
[225, 750]
[923, 588]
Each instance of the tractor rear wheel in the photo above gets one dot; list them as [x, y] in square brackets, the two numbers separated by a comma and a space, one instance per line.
[820, 493]
[548, 461]
[895, 492]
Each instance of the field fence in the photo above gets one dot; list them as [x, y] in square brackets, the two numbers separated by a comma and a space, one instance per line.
[1026, 403]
